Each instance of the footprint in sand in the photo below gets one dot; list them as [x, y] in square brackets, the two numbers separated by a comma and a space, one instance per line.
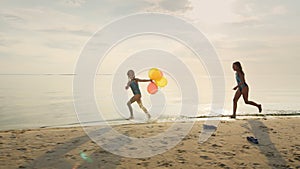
[223, 165]
[205, 157]
[181, 151]
[246, 147]
[229, 153]
[216, 145]
[164, 163]
[22, 149]
[144, 164]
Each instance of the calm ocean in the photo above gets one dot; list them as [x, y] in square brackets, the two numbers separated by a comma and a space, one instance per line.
[46, 100]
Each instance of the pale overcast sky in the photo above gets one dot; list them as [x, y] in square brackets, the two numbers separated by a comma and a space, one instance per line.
[43, 36]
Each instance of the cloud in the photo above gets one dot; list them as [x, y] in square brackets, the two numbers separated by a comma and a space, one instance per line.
[85, 21]
[260, 10]
[74, 3]
[51, 31]
[62, 31]
[6, 41]
[175, 5]
[168, 6]
[12, 18]
[42, 35]
[211, 12]
[239, 13]
[46, 20]
[279, 10]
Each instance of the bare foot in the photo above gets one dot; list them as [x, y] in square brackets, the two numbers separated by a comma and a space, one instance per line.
[130, 118]
[259, 108]
[148, 115]
[233, 116]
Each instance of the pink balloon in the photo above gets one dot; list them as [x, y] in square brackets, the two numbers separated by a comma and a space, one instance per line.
[152, 88]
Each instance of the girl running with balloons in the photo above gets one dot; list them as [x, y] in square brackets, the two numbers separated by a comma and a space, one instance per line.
[154, 75]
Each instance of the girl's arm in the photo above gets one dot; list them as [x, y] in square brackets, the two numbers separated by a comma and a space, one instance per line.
[127, 86]
[235, 87]
[143, 80]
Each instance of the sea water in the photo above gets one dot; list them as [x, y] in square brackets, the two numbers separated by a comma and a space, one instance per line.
[47, 100]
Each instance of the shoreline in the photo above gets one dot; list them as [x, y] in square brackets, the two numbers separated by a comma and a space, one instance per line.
[228, 147]
[185, 118]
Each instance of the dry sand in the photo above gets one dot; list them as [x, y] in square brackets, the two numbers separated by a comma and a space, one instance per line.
[279, 147]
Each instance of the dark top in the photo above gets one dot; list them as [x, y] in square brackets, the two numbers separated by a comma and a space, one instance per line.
[135, 87]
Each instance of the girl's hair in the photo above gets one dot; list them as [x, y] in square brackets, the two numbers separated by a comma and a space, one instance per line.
[238, 64]
[131, 73]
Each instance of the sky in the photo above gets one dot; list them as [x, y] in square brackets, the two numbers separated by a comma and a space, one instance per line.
[42, 36]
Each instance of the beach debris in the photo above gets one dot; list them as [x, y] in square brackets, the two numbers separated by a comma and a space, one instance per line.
[85, 157]
[252, 140]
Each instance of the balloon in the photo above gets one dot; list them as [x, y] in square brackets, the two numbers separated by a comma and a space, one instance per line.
[155, 74]
[162, 82]
[152, 88]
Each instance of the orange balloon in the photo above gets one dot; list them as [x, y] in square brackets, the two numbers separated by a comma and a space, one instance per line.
[155, 74]
[162, 82]
[152, 88]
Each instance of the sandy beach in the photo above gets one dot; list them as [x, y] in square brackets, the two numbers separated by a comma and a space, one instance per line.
[279, 147]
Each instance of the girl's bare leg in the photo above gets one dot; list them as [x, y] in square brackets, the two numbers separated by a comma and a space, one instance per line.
[130, 110]
[143, 108]
[237, 95]
[245, 93]
[132, 100]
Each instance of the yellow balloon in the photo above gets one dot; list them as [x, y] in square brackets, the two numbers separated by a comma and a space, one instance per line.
[155, 74]
[162, 82]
